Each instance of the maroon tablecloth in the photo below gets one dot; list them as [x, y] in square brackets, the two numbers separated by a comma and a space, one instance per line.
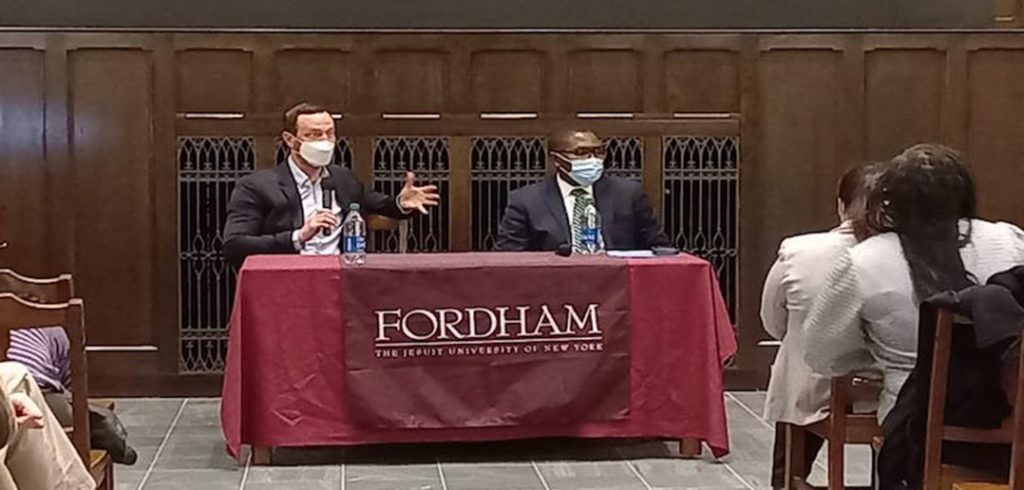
[285, 376]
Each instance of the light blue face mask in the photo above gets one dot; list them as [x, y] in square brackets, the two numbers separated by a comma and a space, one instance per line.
[586, 171]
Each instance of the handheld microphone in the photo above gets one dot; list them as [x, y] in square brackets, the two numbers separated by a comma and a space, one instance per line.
[328, 200]
[564, 250]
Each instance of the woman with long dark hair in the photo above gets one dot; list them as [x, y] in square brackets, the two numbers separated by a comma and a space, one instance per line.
[929, 241]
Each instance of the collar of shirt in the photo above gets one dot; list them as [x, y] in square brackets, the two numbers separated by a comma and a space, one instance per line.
[567, 188]
[301, 179]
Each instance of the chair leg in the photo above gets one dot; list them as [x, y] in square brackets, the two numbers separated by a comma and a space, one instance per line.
[796, 447]
[836, 471]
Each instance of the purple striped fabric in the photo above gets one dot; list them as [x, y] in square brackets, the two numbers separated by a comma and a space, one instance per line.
[44, 351]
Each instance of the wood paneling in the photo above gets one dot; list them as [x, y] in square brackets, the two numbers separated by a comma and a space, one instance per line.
[508, 81]
[801, 140]
[605, 81]
[214, 80]
[313, 75]
[112, 152]
[88, 123]
[904, 92]
[996, 145]
[702, 81]
[23, 188]
[411, 82]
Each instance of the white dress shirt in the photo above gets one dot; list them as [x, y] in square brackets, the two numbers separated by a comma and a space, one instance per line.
[570, 201]
[312, 196]
[797, 395]
[867, 312]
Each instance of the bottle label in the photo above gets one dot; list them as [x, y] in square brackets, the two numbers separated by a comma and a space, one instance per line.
[355, 244]
[590, 235]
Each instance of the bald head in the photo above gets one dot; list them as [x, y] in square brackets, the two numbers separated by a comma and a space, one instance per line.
[571, 140]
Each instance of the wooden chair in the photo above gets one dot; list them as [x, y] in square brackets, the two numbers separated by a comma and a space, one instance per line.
[937, 475]
[842, 427]
[17, 313]
[60, 289]
[377, 222]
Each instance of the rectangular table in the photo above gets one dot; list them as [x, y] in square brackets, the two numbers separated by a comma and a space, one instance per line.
[285, 378]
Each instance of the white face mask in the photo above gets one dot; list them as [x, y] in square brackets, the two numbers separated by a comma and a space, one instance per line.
[317, 153]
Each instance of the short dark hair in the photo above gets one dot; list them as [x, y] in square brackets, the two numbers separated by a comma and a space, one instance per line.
[851, 184]
[291, 116]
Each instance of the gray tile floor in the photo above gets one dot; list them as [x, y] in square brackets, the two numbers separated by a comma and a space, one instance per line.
[180, 447]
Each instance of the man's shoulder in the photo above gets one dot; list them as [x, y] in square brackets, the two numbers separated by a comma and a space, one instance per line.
[622, 184]
[261, 178]
[529, 192]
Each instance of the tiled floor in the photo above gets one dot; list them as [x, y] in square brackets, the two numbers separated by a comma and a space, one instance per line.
[180, 447]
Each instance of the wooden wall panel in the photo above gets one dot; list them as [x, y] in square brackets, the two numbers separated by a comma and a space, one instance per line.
[904, 92]
[996, 131]
[801, 142]
[214, 80]
[605, 81]
[702, 81]
[508, 81]
[410, 81]
[313, 75]
[112, 154]
[25, 201]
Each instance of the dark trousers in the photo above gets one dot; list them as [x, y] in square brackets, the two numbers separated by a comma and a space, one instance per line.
[812, 445]
[106, 430]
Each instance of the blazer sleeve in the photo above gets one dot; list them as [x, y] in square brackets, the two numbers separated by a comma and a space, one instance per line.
[648, 229]
[774, 316]
[242, 229]
[833, 330]
[514, 228]
[373, 202]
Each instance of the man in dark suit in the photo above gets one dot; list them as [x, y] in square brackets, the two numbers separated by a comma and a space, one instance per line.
[282, 210]
[544, 216]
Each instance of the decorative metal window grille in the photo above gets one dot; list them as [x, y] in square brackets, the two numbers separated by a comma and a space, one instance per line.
[501, 165]
[430, 159]
[208, 168]
[342, 153]
[701, 206]
[625, 157]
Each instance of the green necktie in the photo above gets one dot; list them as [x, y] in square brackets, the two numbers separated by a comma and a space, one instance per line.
[579, 217]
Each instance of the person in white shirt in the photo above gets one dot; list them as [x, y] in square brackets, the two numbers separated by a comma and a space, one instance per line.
[923, 205]
[795, 394]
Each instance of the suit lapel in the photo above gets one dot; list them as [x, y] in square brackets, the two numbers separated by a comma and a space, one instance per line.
[556, 206]
[291, 193]
[603, 199]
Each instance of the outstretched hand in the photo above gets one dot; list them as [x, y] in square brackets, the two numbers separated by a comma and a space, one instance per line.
[418, 198]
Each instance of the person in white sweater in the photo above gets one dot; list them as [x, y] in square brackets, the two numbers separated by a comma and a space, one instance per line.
[923, 205]
[796, 395]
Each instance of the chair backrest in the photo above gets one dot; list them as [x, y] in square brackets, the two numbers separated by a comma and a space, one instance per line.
[377, 222]
[936, 430]
[17, 313]
[58, 289]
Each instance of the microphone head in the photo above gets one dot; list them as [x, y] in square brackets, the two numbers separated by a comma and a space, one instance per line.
[564, 250]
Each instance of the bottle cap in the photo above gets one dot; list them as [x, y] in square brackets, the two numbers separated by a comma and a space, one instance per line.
[353, 207]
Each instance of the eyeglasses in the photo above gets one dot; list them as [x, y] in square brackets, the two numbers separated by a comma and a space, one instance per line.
[580, 153]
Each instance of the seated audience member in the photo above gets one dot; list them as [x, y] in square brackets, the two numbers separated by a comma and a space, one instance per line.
[548, 214]
[45, 352]
[281, 211]
[795, 394]
[35, 452]
[923, 205]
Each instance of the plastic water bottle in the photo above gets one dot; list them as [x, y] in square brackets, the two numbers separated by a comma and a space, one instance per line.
[593, 242]
[353, 232]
